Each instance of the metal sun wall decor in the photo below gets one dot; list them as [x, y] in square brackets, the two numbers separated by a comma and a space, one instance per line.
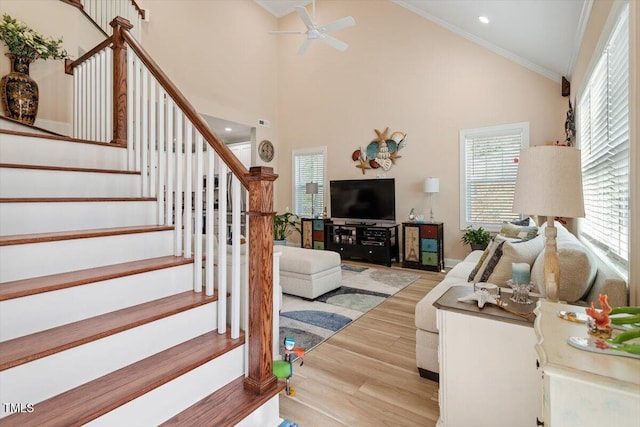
[382, 152]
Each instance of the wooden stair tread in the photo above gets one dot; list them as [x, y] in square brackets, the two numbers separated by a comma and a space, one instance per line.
[227, 406]
[66, 169]
[41, 344]
[27, 125]
[60, 138]
[36, 285]
[19, 239]
[95, 398]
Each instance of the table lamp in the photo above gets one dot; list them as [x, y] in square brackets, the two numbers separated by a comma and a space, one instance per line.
[549, 183]
[311, 188]
[431, 185]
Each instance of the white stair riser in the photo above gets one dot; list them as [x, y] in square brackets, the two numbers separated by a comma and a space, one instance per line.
[48, 217]
[172, 398]
[45, 258]
[34, 313]
[28, 150]
[16, 182]
[266, 415]
[46, 377]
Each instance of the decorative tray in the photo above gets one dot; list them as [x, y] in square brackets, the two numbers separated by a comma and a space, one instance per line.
[597, 345]
[572, 316]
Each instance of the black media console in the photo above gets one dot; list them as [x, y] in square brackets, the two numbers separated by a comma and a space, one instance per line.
[373, 243]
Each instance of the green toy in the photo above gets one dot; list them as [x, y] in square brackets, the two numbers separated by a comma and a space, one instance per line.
[283, 369]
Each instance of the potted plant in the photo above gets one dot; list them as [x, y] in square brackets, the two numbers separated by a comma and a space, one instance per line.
[19, 90]
[283, 225]
[478, 238]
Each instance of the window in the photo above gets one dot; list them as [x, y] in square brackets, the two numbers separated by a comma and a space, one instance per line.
[603, 126]
[488, 168]
[309, 165]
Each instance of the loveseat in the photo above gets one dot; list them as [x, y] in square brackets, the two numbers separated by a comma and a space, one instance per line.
[582, 278]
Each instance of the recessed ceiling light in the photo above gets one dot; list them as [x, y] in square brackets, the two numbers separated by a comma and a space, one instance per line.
[483, 19]
[228, 129]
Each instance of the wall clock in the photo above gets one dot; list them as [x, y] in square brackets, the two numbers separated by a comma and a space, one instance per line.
[265, 150]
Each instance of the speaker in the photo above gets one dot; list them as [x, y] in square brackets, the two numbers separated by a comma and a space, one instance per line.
[566, 87]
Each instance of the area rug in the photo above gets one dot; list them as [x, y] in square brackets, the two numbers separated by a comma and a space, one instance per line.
[310, 322]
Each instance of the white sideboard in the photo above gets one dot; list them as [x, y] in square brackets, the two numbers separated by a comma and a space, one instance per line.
[488, 373]
[583, 388]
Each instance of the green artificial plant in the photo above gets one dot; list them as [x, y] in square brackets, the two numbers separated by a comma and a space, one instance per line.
[478, 238]
[284, 224]
[23, 41]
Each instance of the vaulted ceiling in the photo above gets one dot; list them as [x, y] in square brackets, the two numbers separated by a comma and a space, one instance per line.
[542, 35]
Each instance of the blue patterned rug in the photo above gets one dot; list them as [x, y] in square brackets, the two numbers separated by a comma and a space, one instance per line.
[310, 322]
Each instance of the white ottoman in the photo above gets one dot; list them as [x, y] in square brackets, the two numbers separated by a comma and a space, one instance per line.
[308, 273]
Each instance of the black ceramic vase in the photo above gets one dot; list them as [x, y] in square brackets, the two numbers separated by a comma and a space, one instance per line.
[19, 91]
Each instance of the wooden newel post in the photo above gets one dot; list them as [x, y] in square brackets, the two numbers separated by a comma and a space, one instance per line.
[260, 375]
[119, 80]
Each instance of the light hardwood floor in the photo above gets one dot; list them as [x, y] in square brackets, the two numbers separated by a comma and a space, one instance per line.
[365, 375]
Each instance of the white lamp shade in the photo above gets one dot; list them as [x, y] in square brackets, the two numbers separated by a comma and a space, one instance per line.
[311, 188]
[431, 185]
[549, 182]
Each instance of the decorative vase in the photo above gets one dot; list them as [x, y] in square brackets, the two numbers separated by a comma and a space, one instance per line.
[19, 91]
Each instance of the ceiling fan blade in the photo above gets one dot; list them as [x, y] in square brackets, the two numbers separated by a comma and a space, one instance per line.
[304, 15]
[304, 47]
[287, 32]
[334, 42]
[336, 25]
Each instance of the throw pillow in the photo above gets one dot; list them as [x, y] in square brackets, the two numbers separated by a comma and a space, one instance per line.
[528, 222]
[488, 260]
[518, 231]
[523, 251]
[479, 263]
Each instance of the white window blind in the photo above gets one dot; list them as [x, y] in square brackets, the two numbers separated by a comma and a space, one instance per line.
[308, 166]
[489, 169]
[603, 127]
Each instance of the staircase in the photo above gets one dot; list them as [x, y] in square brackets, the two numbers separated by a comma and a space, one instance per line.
[113, 309]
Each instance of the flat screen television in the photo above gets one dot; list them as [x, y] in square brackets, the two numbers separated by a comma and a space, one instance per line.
[363, 200]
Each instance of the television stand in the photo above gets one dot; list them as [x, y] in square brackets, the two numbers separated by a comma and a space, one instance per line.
[372, 243]
[367, 224]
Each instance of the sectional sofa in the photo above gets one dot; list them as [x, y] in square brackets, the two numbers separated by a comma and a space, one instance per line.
[583, 277]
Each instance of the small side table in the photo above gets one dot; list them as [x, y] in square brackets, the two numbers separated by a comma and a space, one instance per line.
[423, 245]
[488, 366]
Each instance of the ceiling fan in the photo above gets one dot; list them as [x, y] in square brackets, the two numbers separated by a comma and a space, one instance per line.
[318, 32]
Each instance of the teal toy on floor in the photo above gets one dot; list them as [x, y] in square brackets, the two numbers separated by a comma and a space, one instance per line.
[283, 369]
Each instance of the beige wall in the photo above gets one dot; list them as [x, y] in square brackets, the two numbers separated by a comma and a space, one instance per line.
[220, 55]
[52, 18]
[595, 35]
[407, 73]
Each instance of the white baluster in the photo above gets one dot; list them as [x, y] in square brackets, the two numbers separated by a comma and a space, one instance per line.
[144, 103]
[109, 95]
[130, 94]
[169, 165]
[235, 257]
[210, 215]
[188, 185]
[222, 247]
[179, 170]
[83, 101]
[76, 102]
[162, 166]
[197, 239]
[137, 74]
[153, 142]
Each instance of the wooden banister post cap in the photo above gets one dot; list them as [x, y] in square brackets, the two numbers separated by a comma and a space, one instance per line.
[119, 21]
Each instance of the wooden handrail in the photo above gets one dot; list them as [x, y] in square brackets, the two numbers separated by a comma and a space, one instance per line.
[212, 139]
[141, 11]
[69, 64]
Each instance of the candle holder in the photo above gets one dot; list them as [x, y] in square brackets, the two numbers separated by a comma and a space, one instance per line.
[520, 293]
